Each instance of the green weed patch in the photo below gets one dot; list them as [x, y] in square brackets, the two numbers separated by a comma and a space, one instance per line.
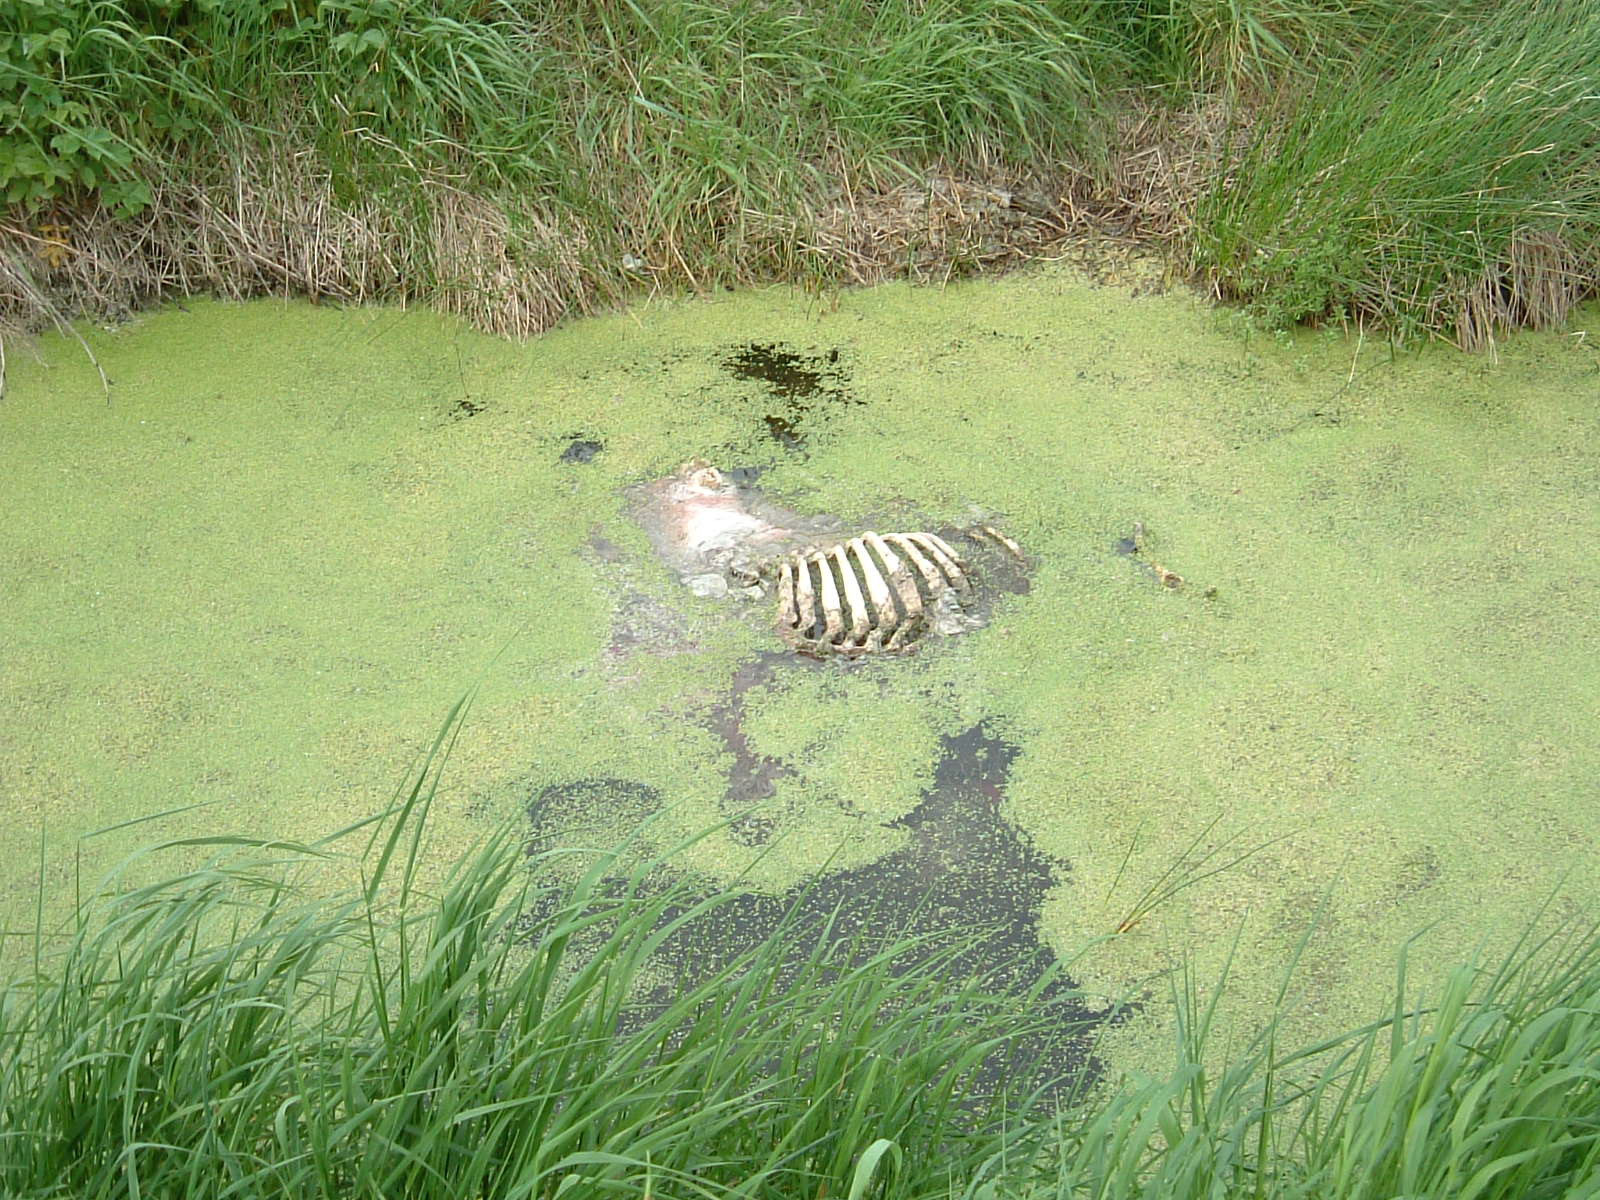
[228, 1032]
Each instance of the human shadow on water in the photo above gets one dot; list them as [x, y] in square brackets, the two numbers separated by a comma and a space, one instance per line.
[962, 869]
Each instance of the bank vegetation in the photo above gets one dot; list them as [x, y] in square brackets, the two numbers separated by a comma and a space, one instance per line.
[1426, 167]
[242, 1030]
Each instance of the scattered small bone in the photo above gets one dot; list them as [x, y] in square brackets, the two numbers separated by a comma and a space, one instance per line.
[1007, 542]
[1167, 579]
[713, 587]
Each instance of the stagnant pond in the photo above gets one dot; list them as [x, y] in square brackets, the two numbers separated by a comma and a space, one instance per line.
[257, 578]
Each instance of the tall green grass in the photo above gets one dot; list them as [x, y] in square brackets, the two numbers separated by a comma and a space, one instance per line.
[1426, 166]
[1493, 1091]
[598, 146]
[1450, 185]
[229, 1032]
[236, 1031]
[1247, 48]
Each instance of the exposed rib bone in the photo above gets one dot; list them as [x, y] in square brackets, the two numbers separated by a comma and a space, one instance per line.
[905, 587]
[877, 589]
[808, 610]
[830, 600]
[1005, 541]
[949, 562]
[860, 618]
[874, 592]
[788, 618]
[930, 574]
[899, 575]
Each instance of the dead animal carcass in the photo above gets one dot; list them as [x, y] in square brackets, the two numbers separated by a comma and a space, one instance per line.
[836, 593]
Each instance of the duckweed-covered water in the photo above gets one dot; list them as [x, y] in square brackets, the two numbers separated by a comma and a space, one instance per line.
[255, 581]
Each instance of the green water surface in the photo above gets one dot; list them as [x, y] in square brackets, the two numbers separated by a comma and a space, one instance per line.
[261, 574]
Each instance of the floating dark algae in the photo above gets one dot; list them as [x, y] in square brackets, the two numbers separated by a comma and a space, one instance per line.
[581, 450]
[799, 386]
[962, 870]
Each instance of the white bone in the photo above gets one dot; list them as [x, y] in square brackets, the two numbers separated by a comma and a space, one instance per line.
[830, 600]
[866, 597]
[930, 574]
[877, 589]
[860, 618]
[899, 576]
[788, 617]
[807, 601]
[925, 568]
[1003, 540]
[947, 558]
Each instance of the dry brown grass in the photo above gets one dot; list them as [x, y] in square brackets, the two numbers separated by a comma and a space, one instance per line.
[953, 221]
[275, 225]
[514, 282]
[1535, 285]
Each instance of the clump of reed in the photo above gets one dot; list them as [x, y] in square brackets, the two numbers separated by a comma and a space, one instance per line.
[1444, 184]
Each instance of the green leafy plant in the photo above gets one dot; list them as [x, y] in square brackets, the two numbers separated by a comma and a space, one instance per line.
[52, 140]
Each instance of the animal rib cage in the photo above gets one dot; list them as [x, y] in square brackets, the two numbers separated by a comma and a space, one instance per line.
[873, 592]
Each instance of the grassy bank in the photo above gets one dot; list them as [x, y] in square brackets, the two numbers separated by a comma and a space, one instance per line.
[512, 161]
[516, 161]
[235, 1032]
[1446, 183]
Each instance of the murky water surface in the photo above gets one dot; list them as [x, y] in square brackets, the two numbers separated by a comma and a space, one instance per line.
[257, 579]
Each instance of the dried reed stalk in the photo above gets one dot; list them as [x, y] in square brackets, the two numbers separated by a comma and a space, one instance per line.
[273, 223]
[1534, 285]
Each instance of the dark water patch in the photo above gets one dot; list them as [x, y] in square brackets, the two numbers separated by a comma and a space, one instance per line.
[993, 568]
[603, 548]
[801, 385]
[564, 813]
[753, 777]
[644, 625]
[581, 450]
[963, 870]
[788, 374]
